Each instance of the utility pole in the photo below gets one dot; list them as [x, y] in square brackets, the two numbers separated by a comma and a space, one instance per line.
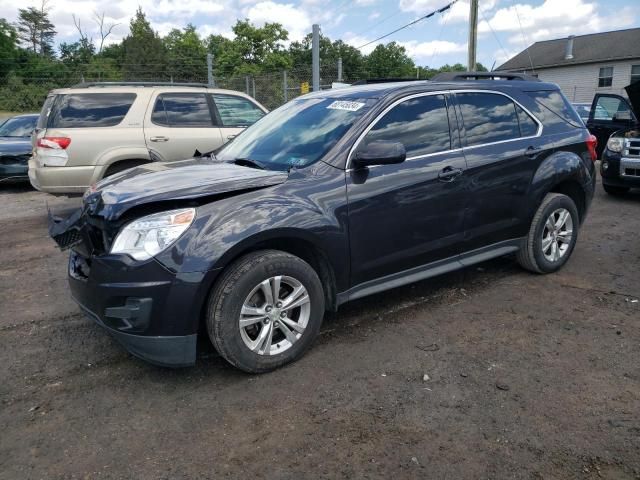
[210, 81]
[315, 57]
[473, 35]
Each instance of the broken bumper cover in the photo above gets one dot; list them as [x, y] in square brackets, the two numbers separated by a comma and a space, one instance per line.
[164, 351]
[151, 311]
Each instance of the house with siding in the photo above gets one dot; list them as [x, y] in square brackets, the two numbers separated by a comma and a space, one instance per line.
[583, 65]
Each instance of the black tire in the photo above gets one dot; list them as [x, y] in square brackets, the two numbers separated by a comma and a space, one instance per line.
[611, 190]
[232, 289]
[531, 256]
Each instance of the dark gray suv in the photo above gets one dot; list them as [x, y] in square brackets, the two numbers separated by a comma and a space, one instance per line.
[334, 196]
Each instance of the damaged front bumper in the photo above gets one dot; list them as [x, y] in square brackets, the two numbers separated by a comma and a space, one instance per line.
[152, 311]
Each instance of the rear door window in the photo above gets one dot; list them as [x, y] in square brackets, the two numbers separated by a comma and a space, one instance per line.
[77, 110]
[182, 110]
[528, 126]
[236, 111]
[488, 117]
[421, 124]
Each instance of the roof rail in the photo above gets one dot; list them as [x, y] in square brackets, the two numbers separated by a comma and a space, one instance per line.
[463, 76]
[370, 81]
[138, 84]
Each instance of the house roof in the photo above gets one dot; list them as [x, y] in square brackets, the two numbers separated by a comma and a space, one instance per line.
[592, 48]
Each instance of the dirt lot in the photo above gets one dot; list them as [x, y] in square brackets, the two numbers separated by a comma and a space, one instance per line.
[529, 377]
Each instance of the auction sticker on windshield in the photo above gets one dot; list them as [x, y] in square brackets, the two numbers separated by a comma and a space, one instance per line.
[342, 105]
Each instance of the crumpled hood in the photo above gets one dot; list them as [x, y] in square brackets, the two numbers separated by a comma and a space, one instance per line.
[170, 181]
[633, 92]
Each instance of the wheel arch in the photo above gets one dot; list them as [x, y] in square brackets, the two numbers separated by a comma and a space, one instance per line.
[108, 159]
[300, 243]
[562, 172]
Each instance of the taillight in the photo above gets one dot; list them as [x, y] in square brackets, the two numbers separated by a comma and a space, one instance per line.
[58, 143]
[592, 143]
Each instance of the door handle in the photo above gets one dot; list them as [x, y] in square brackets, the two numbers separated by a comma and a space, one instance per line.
[449, 174]
[533, 151]
[231, 137]
[159, 139]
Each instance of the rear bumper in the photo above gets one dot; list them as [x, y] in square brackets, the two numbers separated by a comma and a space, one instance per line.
[153, 312]
[60, 180]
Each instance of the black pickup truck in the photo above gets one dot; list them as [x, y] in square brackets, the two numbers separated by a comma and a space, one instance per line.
[613, 119]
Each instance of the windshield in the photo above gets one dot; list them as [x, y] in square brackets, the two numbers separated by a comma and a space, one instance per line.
[18, 127]
[295, 135]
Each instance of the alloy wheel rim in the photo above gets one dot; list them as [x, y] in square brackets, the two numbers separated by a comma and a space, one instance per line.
[274, 315]
[557, 235]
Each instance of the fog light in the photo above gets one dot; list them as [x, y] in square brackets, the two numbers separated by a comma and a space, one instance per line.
[605, 165]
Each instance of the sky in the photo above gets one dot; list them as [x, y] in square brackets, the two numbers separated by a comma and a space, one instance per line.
[505, 27]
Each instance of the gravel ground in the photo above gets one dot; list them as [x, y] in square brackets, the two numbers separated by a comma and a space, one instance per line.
[528, 376]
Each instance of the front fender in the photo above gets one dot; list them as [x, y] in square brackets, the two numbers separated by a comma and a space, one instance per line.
[311, 211]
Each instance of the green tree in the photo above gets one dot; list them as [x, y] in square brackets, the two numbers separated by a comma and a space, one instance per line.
[352, 60]
[8, 47]
[35, 30]
[77, 53]
[186, 54]
[144, 56]
[390, 60]
[254, 49]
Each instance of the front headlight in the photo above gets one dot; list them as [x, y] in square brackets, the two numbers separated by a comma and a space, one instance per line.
[615, 144]
[147, 236]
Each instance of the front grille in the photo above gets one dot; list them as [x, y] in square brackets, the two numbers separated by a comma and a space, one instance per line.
[631, 148]
[630, 161]
[68, 239]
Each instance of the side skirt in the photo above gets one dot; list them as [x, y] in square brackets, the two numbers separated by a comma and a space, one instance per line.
[429, 270]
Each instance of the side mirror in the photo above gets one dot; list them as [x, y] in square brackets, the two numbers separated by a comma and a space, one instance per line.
[380, 153]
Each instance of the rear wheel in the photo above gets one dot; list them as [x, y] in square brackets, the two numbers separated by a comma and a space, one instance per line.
[552, 235]
[611, 190]
[265, 311]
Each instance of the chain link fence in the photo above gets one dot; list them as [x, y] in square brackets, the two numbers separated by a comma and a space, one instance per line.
[26, 91]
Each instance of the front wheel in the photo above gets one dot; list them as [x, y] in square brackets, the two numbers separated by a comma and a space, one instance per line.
[265, 311]
[552, 235]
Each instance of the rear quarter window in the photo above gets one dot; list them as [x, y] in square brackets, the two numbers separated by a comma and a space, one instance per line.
[46, 110]
[86, 110]
[554, 102]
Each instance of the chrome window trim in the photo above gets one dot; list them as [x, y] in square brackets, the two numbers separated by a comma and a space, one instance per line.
[451, 150]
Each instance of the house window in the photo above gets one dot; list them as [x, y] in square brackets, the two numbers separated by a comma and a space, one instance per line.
[605, 78]
[635, 73]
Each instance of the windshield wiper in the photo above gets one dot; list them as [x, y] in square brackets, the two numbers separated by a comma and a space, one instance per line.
[247, 162]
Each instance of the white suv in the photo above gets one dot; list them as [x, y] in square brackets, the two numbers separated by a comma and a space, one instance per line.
[94, 130]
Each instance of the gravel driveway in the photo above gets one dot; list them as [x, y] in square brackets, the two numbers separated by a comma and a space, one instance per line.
[526, 376]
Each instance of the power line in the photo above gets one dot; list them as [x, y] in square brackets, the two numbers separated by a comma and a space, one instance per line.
[524, 38]
[493, 31]
[386, 19]
[424, 17]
